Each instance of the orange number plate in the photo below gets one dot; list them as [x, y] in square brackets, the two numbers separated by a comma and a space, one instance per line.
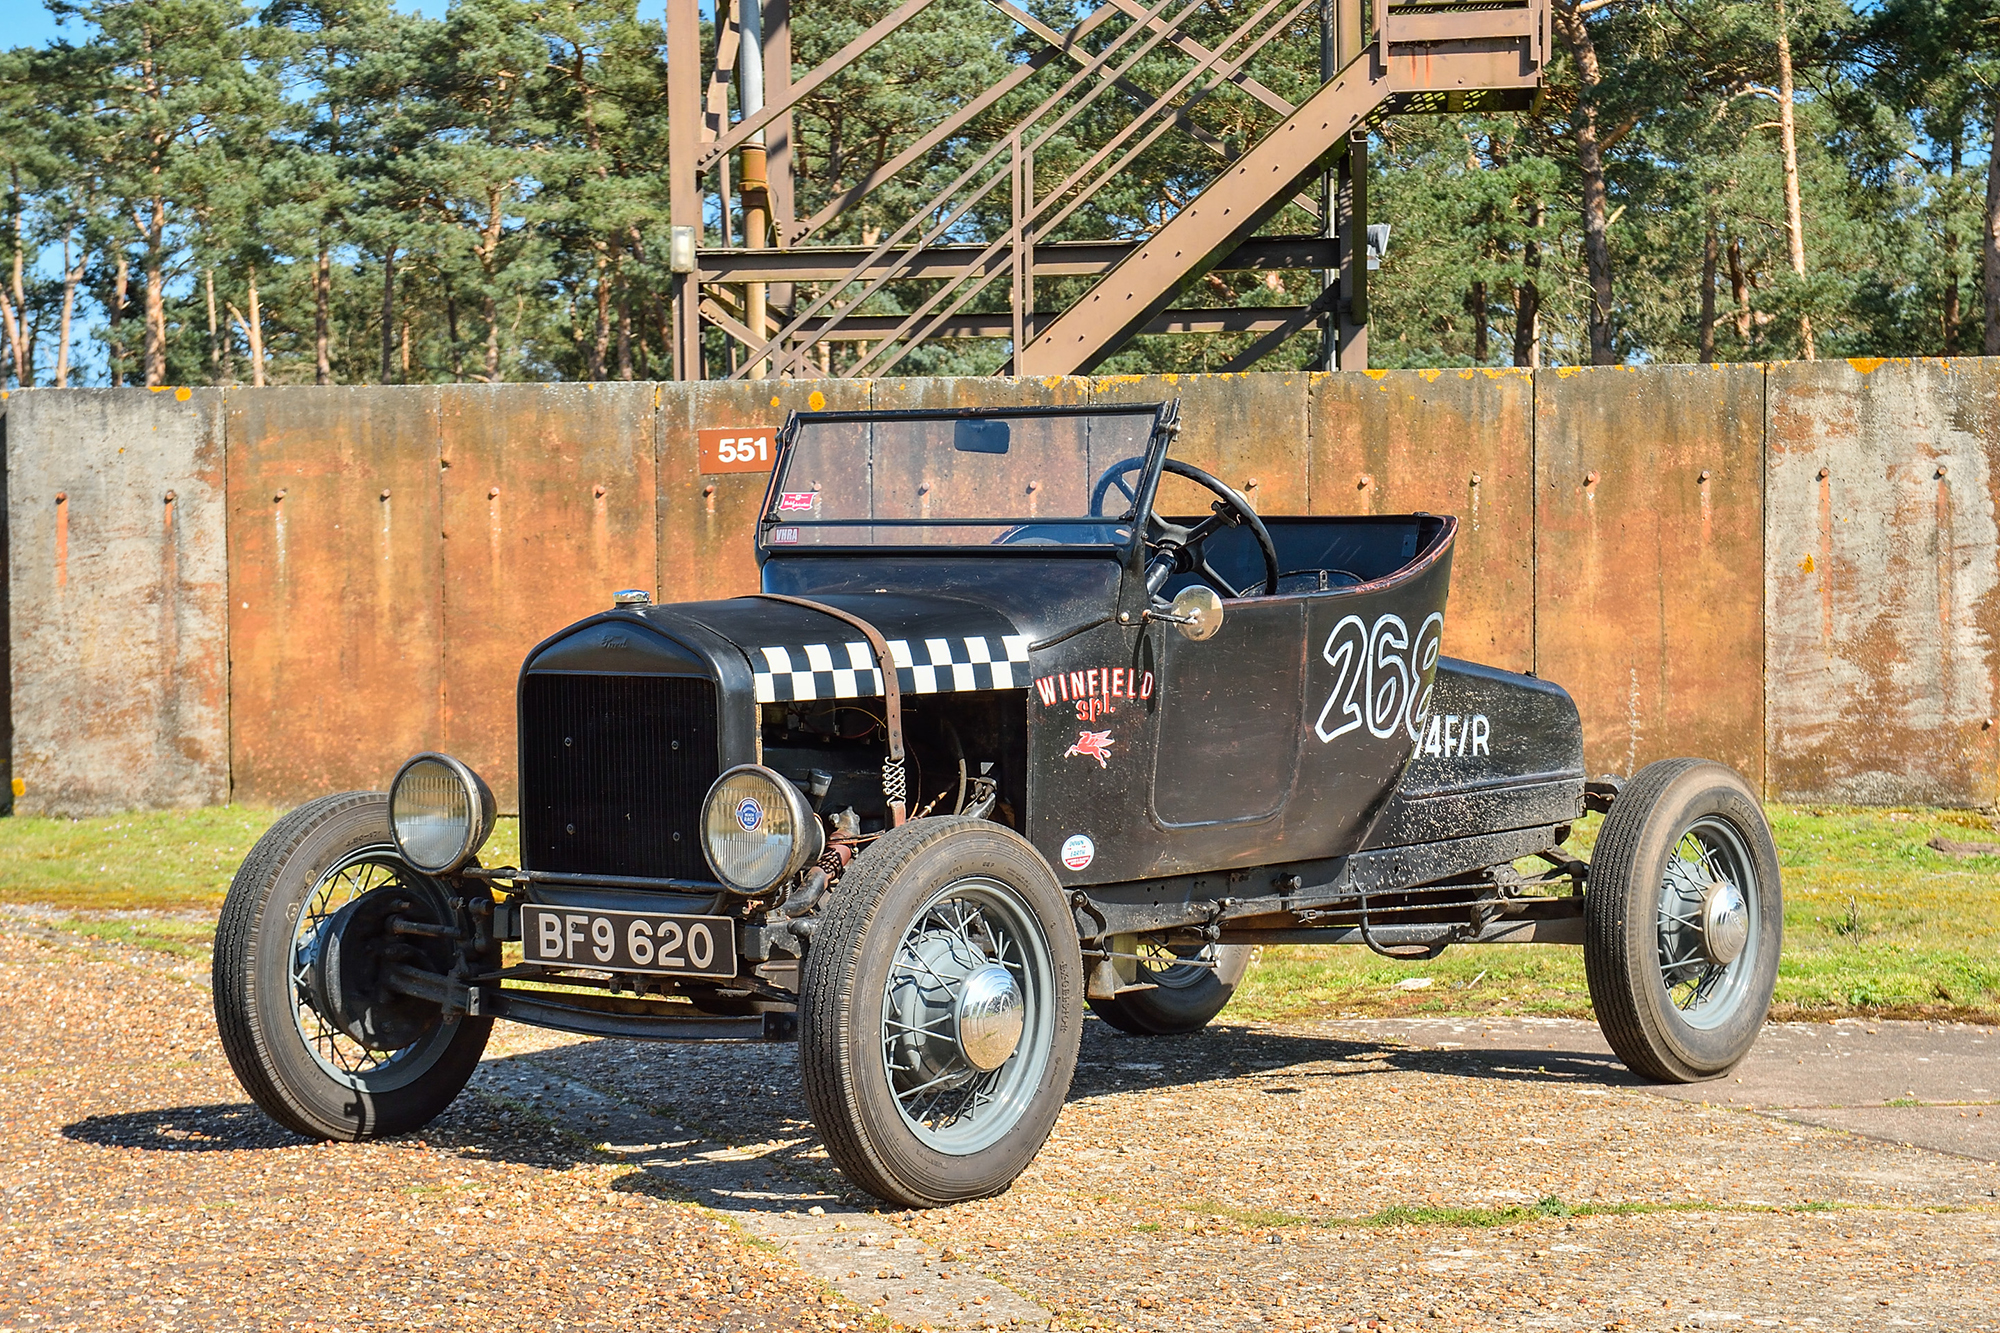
[737, 448]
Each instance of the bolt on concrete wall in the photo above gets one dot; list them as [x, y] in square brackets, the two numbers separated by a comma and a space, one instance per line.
[116, 577]
[1653, 538]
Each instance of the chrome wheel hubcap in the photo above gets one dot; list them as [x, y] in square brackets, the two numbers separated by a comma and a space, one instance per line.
[1725, 924]
[990, 1017]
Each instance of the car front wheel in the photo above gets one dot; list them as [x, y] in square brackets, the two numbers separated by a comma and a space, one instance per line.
[939, 1014]
[305, 931]
[1683, 919]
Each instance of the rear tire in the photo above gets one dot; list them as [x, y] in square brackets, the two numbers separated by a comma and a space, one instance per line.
[1683, 921]
[1184, 998]
[912, 1106]
[307, 1075]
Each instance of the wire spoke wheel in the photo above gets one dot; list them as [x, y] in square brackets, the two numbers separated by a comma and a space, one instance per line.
[1709, 920]
[339, 1054]
[948, 1091]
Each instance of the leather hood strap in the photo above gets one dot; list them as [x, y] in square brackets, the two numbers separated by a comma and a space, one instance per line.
[893, 784]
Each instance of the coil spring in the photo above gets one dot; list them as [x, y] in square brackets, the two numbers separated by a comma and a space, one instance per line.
[894, 786]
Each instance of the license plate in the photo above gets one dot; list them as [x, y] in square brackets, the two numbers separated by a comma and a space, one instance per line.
[683, 946]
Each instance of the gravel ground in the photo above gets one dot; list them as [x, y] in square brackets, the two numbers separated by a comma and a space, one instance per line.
[1244, 1178]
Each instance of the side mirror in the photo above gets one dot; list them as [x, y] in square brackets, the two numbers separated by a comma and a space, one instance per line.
[1197, 613]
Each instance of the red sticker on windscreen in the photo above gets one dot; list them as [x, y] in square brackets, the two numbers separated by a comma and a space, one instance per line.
[797, 502]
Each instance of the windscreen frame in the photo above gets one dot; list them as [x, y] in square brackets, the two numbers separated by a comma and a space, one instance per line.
[1166, 424]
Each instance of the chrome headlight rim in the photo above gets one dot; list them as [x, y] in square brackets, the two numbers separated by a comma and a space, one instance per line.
[808, 841]
[479, 799]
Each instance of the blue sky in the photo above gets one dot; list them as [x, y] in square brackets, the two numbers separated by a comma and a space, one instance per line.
[27, 23]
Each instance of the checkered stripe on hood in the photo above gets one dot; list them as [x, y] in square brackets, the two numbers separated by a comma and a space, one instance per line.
[923, 666]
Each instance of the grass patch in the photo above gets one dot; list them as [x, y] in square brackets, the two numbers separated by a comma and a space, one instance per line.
[1877, 923]
[166, 860]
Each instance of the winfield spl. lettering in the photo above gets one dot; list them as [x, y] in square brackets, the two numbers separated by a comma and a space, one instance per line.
[1094, 692]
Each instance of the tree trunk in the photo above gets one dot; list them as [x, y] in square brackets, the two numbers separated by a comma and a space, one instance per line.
[388, 314]
[1795, 236]
[116, 320]
[16, 326]
[156, 297]
[451, 331]
[71, 277]
[624, 338]
[322, 315]
[1476, 303]
[1528, 296]
[600, 341]
[1739, 290]
[18, 333]
[492, 313]
[1590, 164]
[214, 329]
[1989, 243]
[1711, 254]
[253, 330]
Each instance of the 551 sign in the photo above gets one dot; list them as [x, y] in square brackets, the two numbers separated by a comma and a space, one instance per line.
[736, 448]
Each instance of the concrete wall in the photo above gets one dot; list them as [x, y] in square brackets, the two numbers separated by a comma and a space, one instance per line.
[1790, 567]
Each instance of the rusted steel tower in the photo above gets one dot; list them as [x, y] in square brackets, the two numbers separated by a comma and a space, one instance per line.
[1127, 78]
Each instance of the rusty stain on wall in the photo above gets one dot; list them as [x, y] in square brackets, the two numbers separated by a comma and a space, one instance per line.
[117, 648]
[1881, 590]
[335, 569]
[1655, 629]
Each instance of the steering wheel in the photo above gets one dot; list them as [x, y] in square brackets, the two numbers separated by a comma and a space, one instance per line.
[1181, 550]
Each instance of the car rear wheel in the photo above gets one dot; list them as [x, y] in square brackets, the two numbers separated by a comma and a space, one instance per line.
[1188, 987]
[327, 877]
[938, 1021]
[1683, 919]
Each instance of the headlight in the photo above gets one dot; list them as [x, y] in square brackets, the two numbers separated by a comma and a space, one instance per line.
[440, 811]
[757, 830]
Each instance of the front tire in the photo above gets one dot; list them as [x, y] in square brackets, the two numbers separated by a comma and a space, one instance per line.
[1184, 997]
[307, 1073]
[928, 1083]
[1683, 921]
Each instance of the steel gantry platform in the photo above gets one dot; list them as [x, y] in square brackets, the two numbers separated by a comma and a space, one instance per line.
[784, 269]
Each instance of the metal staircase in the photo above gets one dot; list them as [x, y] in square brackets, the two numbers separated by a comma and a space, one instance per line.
[1000, 226]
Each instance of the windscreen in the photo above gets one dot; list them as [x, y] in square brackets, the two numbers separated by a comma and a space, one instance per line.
[1000, 480]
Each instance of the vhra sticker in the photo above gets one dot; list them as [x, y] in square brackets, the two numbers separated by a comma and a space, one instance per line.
[1078, 851]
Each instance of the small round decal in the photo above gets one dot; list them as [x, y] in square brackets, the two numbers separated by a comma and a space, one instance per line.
[749, 814]
[1078, 851]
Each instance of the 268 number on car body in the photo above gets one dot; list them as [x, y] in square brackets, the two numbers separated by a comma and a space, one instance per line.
[684, 946]
[1381, 676]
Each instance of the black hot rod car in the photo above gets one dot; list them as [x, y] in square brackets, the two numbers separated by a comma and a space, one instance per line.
[1000, 739]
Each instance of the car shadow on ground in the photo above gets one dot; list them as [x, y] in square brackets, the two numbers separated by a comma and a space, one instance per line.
[749, 1092]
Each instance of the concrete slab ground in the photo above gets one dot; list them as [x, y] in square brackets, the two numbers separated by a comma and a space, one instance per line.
[1926, 1085]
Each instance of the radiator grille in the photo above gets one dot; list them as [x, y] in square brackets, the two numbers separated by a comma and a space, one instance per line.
[613, 770]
